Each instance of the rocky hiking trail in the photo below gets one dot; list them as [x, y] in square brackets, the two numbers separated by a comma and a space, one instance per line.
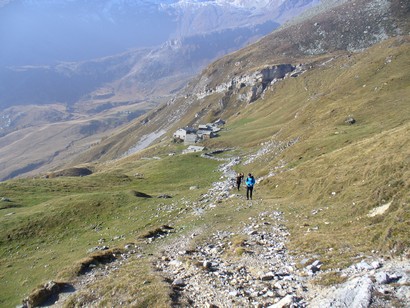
[250, 266]
[261, 275]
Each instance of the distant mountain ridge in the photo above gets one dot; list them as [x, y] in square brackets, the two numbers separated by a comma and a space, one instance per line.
[82, 30]
[204, 29]
[140, 73]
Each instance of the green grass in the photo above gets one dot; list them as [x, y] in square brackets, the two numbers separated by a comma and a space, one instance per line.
[58, 220]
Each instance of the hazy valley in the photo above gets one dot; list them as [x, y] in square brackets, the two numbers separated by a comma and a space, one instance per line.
[132, 82]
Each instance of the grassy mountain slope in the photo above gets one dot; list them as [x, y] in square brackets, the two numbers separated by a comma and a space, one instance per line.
[348, 169]
[326, 175]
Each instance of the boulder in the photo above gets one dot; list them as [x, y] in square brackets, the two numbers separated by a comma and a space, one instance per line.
[350, 120]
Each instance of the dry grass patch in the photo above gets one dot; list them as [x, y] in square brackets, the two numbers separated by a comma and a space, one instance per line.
[329, 279]
[132, 286]
[98, 258]
[43, 293]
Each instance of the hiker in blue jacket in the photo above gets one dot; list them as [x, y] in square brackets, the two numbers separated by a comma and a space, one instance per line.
[250, 182]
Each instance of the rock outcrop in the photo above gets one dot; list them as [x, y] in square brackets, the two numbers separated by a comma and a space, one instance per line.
[254, 84]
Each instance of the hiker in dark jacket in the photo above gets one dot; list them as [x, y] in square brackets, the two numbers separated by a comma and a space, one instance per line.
[239, 179]
[250, 182]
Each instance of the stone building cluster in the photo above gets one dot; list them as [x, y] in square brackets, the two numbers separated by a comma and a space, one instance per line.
[191, 135]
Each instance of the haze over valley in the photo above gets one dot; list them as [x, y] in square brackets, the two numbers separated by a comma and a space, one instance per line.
[89, 60]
